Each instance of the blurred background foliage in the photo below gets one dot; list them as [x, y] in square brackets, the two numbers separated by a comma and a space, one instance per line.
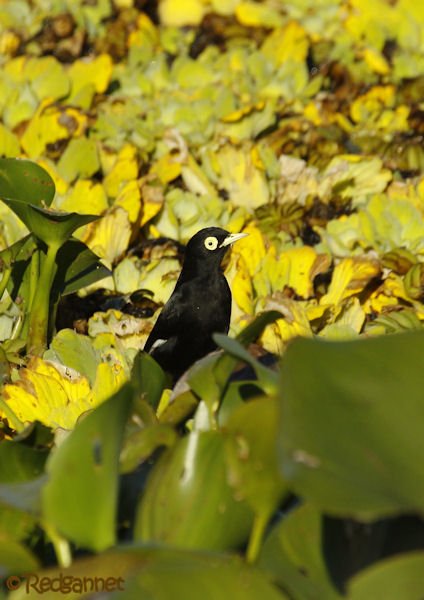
[299, 122]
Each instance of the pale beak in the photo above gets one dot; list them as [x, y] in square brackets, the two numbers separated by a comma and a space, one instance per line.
[233, 237]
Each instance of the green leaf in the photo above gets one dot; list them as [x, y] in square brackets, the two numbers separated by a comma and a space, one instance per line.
[394, 579]
[267, 378]
[78, 267]
[51, 227]
[350, 429]
[25, 181]
[19, 462]
[148, 379]
[80, 497]
[16, 558]
[150, 572]
[294, 554]
[142, 443]
[188, 501]
[253, 454]
[249, 334]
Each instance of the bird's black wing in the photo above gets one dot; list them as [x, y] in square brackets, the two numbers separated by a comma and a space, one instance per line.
[171, 320]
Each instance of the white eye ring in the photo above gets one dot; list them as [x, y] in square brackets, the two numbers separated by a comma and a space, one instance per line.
[211, 243]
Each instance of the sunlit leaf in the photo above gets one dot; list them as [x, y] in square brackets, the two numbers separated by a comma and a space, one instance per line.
[80, 497]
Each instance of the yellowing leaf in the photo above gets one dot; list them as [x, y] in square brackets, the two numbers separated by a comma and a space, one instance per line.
[254, 14]
[286, 43]
[92, 73]
[44, 128]
[376, 61]
[48, 77]
[9, 144]
[129, 199]
[85, 197]
[242, 287]
[109, 236]
[245, 183]
[183, 12]
[80, 159]
[124, 169]
[152, 199]
[348, 322]
[294, 324]
[109, 379]
[167, 168]
[350, 276]
[302, 265]
[45, 394]
[251, 248]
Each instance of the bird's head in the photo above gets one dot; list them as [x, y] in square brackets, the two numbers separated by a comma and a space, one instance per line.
[208, 246]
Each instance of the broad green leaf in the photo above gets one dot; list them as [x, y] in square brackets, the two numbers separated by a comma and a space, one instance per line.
[398, 577]
[253, 462]
[188, 501]
[25, 181]
[253, 454]
[294, 553]
[80, 498]
[160, 574]
[78, 267]
[342, 405]
[52, 227]
[267, 378]
[19, 462]
[226, 364]
[141, 444]
[148, 379]
[15, 558]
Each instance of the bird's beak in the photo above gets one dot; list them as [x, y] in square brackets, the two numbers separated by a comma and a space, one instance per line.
[233, 237]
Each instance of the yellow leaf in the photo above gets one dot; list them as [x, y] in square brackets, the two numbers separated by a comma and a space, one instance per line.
[376, 61]
[251, 248]
[109, 379]
[348, 322]
[45, 394]
[95, 73]
[60, 184]
[254, 14]
[153, 199]
[129, 199]
[350, 276]
[294, 324]
[183, 12]
[9, 144]
[109, 236]
[124, 169]
[9, 43]
[242, 288]
[245, 183]
[302, 265]
[44, 128]
[237, 115]
[286, 43]
[85, 197]
[167, 168]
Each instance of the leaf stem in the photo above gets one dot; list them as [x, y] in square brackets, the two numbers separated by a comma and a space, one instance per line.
[39, 316]
[60, 544]
[256, 536]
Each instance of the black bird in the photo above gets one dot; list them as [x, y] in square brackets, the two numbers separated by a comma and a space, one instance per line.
[199, 306]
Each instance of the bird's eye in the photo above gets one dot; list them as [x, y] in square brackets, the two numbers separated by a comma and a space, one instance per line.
[211, 243]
